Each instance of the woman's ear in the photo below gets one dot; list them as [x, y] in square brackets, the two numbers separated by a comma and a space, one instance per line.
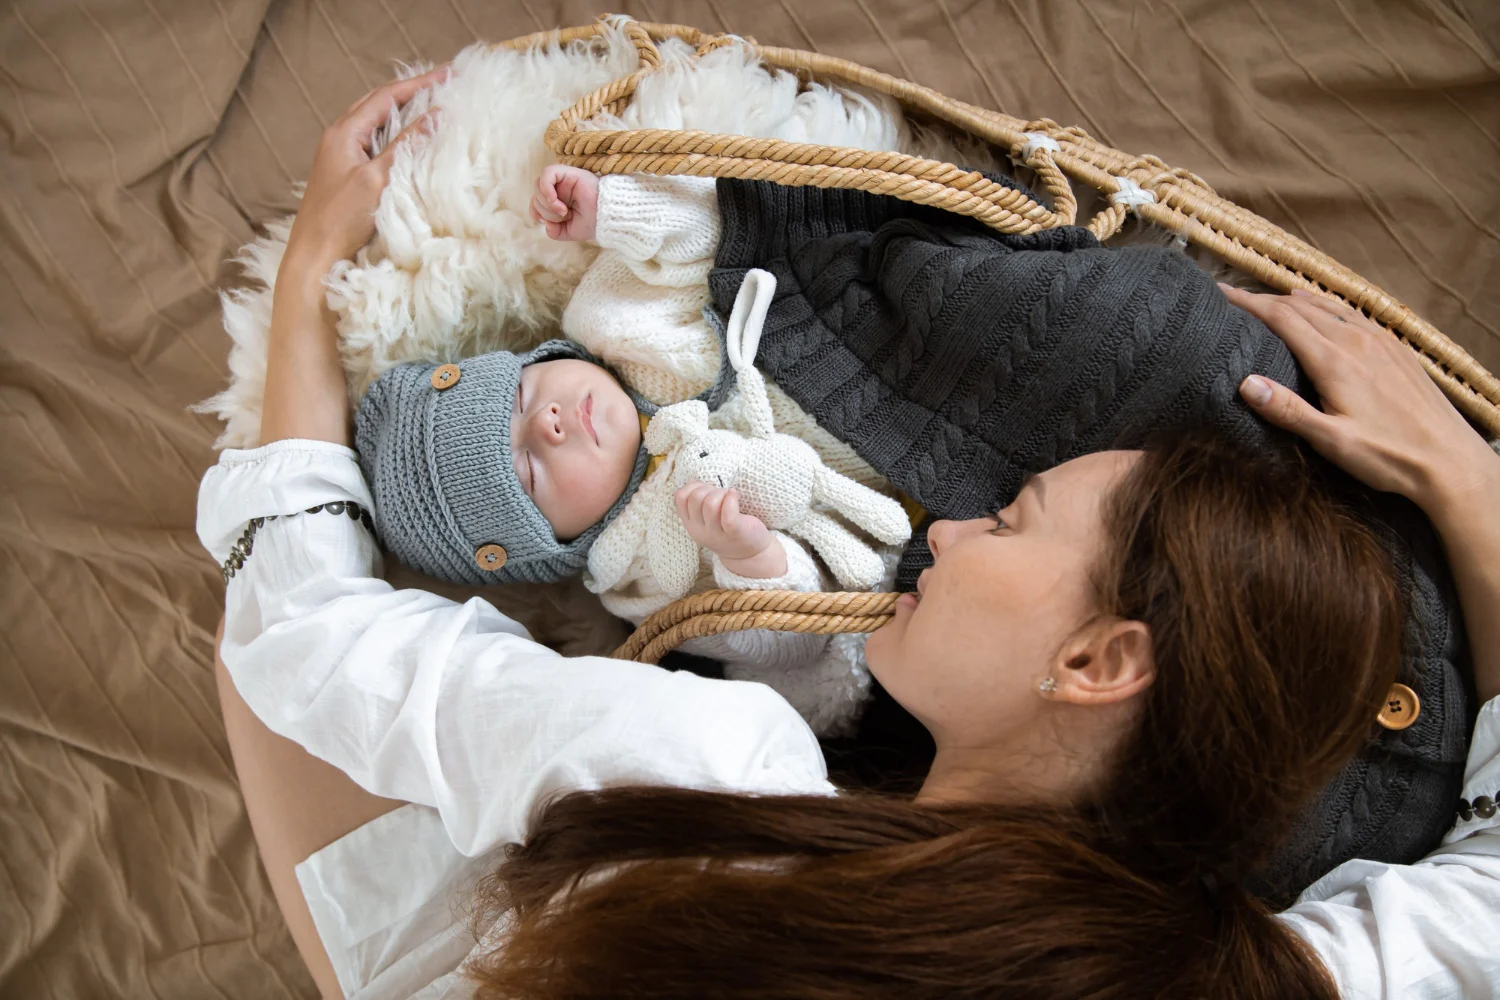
[1109, 660]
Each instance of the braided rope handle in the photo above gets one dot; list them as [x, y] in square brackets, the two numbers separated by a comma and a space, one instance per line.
[1179, 202]
[715, 611]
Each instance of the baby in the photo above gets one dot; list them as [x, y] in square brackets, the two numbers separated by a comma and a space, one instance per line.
[508, 467]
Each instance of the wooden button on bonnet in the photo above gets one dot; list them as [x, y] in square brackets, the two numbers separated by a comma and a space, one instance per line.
[1401, 708]
[445, 377]
[490, 557]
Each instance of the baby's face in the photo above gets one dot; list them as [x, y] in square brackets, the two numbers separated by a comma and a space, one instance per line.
[574, 435]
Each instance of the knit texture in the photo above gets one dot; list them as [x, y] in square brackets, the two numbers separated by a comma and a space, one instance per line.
[439, 464]
[956, 361]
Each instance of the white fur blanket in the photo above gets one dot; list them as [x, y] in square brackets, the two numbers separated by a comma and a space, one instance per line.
[457, 268]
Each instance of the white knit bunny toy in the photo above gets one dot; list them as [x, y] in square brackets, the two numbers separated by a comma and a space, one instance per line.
[780, 479]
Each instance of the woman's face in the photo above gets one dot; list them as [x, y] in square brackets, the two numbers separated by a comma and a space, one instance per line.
[966, 654]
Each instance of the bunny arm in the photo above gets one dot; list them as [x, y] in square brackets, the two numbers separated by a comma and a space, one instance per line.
[671, 552]
[619, 543]
[853, 563]
[879, 515]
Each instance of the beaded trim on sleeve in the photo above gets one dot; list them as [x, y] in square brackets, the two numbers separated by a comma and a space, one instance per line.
[1483, 806]
[242, 548]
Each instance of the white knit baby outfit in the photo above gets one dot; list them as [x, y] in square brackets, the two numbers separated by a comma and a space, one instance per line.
[639, 307]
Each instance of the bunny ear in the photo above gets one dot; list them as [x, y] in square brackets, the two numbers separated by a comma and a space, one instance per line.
[742, 334]
[675, 424]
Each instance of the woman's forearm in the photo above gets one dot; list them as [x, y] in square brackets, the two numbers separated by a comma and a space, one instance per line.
[305, 394]
[1465, 516]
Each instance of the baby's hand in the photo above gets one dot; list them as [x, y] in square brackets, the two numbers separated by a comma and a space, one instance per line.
[742, 542]
[567, 200]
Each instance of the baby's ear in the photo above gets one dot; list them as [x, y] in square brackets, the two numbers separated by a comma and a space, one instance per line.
[675, 424]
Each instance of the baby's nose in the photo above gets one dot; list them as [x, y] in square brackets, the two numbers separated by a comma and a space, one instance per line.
[549, 424]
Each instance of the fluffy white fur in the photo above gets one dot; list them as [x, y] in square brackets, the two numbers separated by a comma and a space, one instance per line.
[457, 268]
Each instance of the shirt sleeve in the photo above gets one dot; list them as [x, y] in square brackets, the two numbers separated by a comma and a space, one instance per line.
[1427, 930]
[451, 705]
[667, 222]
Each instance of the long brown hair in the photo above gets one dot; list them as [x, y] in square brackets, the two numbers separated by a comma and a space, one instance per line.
[1275, 627]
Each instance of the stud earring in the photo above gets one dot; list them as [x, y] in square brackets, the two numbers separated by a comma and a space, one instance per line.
[1046, 685]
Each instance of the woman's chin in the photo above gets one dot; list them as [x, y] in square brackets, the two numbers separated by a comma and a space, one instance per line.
[880, 648]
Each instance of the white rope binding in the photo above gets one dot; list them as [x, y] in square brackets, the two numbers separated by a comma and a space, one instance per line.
[1035, 141]
[1130, 194]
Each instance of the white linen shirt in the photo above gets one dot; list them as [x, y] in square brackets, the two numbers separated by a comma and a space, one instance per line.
[453, 708]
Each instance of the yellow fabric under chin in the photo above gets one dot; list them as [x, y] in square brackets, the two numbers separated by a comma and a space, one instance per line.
[914, 511]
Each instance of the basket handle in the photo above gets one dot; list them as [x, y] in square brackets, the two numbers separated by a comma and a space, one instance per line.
[910, 178]
[716, 611]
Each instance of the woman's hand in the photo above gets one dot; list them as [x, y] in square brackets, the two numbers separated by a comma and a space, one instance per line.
[1383, 420]
[567, 201]
[306, 396]
[337, 214]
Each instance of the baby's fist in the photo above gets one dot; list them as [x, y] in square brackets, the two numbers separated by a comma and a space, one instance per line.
[567, 201]
[742, 541]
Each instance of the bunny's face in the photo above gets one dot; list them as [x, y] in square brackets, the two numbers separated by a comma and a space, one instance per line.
[714, 457]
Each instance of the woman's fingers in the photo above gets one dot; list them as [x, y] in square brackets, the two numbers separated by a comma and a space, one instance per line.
[1279, 405]
[378, 101]
[1289, 323]
[422, 125]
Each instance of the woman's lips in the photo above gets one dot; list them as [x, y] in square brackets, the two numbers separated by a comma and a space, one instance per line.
[586, 415]
[908, 601]
[922, 582]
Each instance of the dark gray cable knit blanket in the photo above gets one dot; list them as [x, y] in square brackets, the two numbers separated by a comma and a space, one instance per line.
[956, 361]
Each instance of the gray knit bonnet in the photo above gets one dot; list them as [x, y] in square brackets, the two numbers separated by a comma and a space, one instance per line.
[434, 444]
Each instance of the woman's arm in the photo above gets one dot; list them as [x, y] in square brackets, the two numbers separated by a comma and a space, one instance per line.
[1384, 421]
[306, 395]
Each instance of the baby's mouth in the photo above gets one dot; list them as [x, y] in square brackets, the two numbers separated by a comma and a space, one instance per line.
[586, 414]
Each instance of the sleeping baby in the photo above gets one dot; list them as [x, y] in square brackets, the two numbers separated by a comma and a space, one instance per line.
[536, 466]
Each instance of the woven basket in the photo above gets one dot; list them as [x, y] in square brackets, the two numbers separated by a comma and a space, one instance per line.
[1173, 199]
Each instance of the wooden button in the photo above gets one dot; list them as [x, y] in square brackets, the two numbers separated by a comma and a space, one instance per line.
[1401, 708]
[445, 376]
[490, 557]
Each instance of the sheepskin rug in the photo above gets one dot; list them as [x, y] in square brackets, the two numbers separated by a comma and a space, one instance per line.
[457, 268]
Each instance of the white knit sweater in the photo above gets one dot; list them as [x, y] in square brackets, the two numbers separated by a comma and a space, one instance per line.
[639, 307]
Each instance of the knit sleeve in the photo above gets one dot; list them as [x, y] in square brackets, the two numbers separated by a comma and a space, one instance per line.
[666, 227]
[759, 650]
[639, 306]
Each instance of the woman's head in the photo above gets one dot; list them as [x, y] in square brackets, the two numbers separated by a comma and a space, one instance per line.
[1187, 596]
[1219, 633]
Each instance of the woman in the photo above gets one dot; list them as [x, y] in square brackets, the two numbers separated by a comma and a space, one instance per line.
[1135, 675]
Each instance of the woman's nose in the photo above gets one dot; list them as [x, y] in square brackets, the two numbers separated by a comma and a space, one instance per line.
[942, 534]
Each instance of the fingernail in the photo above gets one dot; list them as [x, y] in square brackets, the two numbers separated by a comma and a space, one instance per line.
[1256, 390]
[1225, 285]
[1302, 292]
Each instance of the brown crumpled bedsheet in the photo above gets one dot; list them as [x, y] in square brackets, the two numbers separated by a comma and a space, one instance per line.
[145, 141]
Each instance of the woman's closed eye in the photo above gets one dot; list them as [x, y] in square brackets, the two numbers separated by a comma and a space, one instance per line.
[1000, 523]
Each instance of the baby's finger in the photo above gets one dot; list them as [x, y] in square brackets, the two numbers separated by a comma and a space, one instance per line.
[713, 507]
[729, 511]
[1279, 405]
